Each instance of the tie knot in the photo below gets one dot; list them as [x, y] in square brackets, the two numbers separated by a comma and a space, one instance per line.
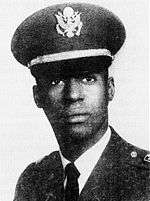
[71, 171]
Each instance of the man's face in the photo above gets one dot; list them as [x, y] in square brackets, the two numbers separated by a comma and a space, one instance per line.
[75, 102]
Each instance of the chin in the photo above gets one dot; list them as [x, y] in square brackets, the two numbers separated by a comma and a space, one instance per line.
[78, 132]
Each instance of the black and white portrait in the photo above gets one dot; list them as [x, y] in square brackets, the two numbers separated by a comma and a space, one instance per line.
[74, 100]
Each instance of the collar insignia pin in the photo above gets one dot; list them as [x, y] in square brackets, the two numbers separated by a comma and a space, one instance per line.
[147, 158]
[133, 154]
[69, 23]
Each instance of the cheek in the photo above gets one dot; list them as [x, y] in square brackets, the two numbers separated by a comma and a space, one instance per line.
[53, 107]
[54, 93]
[53, 103]
[96, 96]
[54, 96]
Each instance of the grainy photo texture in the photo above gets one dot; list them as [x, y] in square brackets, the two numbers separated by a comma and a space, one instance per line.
[70, 50]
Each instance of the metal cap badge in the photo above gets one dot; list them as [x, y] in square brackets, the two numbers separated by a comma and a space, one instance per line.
[69, 23]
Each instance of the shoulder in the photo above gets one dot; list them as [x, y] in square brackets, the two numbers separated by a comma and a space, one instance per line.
[34, 175]
[131, 154]
[132, 165]
[46, 163]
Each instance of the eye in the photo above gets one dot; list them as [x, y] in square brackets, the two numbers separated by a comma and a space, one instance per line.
[46, 83]
[56, 81]
[89, 79]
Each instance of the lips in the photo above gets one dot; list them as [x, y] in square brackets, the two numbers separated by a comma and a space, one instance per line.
[77, 118]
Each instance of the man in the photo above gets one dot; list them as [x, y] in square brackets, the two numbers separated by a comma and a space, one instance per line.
[68, 49]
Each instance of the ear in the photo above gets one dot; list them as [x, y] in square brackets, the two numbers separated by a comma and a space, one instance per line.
[111, 88]
[38, 97]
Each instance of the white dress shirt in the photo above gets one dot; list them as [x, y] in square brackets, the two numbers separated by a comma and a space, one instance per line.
[87, 161]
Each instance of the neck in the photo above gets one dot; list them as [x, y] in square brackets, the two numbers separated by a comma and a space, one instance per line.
[77, 147]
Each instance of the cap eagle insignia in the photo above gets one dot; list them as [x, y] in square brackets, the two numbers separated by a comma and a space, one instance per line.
[69, 23]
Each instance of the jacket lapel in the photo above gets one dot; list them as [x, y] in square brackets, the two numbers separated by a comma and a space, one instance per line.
[101, 183]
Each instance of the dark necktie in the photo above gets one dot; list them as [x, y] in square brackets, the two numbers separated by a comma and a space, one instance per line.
[72, 186]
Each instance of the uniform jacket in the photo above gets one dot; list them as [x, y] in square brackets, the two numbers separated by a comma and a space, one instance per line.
[121, 174]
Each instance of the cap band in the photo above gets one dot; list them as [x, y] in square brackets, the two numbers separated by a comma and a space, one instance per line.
[69, 55]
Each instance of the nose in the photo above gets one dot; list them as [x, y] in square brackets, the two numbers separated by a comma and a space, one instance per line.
[73, 90]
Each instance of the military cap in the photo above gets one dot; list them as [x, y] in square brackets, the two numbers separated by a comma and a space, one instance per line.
[67, 31]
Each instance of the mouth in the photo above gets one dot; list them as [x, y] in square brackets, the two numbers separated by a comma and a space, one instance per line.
[77, 118]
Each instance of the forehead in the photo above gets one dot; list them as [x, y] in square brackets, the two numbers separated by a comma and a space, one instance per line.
[72, 67]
